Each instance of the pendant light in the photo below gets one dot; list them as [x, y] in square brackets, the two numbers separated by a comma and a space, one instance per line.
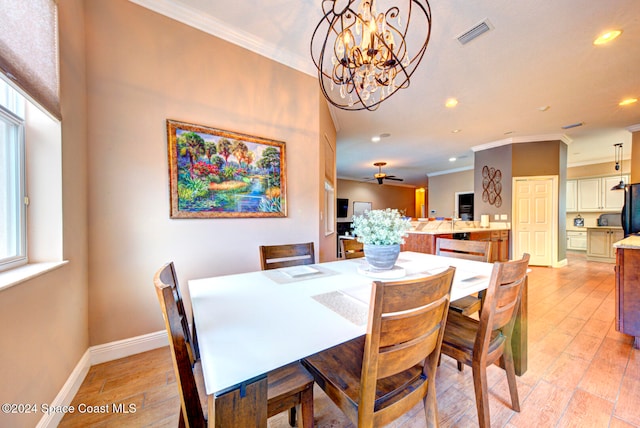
[618, 167]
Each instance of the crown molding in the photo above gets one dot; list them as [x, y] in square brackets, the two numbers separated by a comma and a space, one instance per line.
[222, 30]
[372, 182]
[450, 171]
[525, 139]
[634, 128]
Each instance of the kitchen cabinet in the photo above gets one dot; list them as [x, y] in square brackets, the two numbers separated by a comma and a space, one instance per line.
[499, 243]
[600, 243]
[612, 200]
[572, 195]
[595, 195]
[628, 293]
[577, 240]
[502, 237]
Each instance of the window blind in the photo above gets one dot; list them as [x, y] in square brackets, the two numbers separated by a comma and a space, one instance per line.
[29, 49]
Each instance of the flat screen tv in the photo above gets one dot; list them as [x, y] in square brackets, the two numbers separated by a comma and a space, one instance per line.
[343, 207]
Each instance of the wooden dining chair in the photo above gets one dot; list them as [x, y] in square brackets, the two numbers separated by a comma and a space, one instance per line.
[470, 250]
[351, 249]
[288, 386]
[278, 256]
[482, 343]
[378, 377]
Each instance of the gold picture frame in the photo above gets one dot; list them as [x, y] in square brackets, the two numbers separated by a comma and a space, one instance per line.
[215, 173]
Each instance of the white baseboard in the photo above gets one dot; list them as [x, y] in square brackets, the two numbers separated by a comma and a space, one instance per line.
[126, 347]
[68, 391]
[96, 355]
[560, 263]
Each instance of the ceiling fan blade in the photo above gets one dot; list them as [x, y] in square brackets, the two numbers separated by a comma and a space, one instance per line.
[394, 178]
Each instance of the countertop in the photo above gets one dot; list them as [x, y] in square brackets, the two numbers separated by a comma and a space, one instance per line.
[585, 228]
[630, 242]
[444, 227]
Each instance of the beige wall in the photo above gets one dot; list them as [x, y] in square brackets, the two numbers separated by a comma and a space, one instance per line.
[380, 196]
[598, 169]
[144, 68]
[327, 158]
[635, 156]
[44, 321]
[442, 190]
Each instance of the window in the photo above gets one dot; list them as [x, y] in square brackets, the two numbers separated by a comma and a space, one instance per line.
[12, 179]
[329, 208]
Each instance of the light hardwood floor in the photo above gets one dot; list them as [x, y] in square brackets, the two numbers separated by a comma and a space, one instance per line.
[582, 373]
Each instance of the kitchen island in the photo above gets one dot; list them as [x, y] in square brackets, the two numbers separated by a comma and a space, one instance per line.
[423, 237]
[628, 287]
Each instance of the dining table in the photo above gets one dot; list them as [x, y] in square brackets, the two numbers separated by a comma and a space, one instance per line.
[248, 324]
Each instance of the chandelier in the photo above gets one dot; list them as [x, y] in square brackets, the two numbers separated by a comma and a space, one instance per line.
[364, 56]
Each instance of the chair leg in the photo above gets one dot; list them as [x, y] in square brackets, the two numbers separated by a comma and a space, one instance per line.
[460, 366]
[194, 338]
[306, 408]
[509, 368]
[430, 400]
[292, 416]
[482, 394]
[181, 423]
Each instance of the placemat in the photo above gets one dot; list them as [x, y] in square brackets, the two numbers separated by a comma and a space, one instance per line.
[281, 276]
[344, 306]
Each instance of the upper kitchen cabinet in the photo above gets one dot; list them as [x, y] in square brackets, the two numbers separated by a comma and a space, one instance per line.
[595, 194]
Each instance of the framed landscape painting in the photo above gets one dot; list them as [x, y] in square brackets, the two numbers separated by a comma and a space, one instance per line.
[215, 173]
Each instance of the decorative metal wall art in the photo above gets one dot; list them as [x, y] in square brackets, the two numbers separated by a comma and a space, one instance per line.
[491, 186]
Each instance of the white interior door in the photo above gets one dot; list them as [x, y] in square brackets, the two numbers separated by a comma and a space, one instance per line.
[535, 221]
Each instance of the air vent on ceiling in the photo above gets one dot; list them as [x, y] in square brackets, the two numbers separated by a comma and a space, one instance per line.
[474, 32]
[573, 125]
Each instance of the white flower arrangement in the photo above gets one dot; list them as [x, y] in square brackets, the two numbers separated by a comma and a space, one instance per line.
[381, 227]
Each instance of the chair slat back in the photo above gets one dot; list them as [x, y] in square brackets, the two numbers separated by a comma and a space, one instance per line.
[278, 256]
[502, 299]
[406, 324]
[180, 343]
[351, 248]
[464, 249]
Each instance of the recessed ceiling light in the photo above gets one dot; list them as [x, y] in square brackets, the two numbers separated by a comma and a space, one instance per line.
[628, 101]
[375, 139]
[544, 108]
[607, 37]
[451, 103]
[452, 159]
[455, 131]
[385, 135]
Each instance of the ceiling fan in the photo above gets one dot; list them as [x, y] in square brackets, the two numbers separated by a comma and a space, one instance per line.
[381, 176]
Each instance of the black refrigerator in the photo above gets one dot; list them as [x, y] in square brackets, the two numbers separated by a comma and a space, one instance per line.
[631, 209]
